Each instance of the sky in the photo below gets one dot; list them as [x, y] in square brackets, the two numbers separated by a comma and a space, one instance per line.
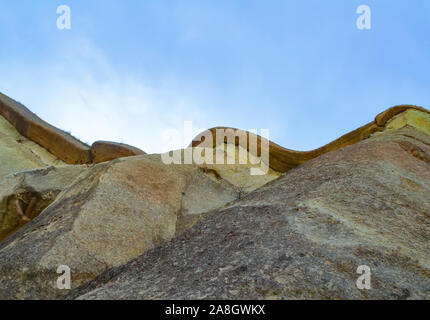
[129, 71]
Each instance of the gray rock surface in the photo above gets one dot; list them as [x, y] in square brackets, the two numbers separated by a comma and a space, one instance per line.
[302, 235]
[111, 213]
[24, 195]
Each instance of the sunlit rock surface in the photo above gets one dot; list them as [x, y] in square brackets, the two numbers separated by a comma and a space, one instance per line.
[17, 153]
[132, 226]
[303, 235]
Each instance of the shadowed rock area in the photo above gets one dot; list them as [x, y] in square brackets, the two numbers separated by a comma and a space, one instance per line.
[24, 195]
[303, 235]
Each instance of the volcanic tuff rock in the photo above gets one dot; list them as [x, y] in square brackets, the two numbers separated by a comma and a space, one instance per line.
[282, 159]
[102, 151]
[363, 199]
[303, 235]
[110, 214]
[24, 195]
[18, 153]
[92, 217]
[60, 144]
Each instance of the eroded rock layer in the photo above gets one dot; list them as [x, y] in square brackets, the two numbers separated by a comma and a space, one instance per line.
[24, 195]
[102, 151]
[282, 159]
[110, 214]
[212, 230]
[303, 235]
[57, 142]
[17, 153]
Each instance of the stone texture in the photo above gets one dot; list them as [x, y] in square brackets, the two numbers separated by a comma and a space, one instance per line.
[102, 151]
[214, 230]
[302, 235]
[282, 159]
[111, 213]
[411, 117]
[238, 175]
[24, 195]
[59, 143]
[17, 153]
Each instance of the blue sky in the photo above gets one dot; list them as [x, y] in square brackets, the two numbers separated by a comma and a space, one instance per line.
[129, 70]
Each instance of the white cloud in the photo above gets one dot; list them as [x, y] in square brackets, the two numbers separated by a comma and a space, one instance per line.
[84, 94]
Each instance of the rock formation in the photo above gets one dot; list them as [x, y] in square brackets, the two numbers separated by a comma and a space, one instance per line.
[131, 226]
[19, 153]
[110, 214]
[102, 151]
[24, 195]
[282, 159]
[59, 143]
[303, 235]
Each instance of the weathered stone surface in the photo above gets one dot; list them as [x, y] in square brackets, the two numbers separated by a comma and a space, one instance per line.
[411, 117]
[230, 170]
[72, 151]
[112, 213]
[303, 235]
[282, 159]
[17, 153]
[54, 140]
[102, 151]
[53, 143]
[24, 195]
[238, 174]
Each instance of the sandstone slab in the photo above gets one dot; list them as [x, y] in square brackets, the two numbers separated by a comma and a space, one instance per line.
[102, 151]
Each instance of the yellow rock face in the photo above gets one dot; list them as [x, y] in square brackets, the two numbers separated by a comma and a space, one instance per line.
[17, 153]
[239, 174]
[414, 118]
[230, 169]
